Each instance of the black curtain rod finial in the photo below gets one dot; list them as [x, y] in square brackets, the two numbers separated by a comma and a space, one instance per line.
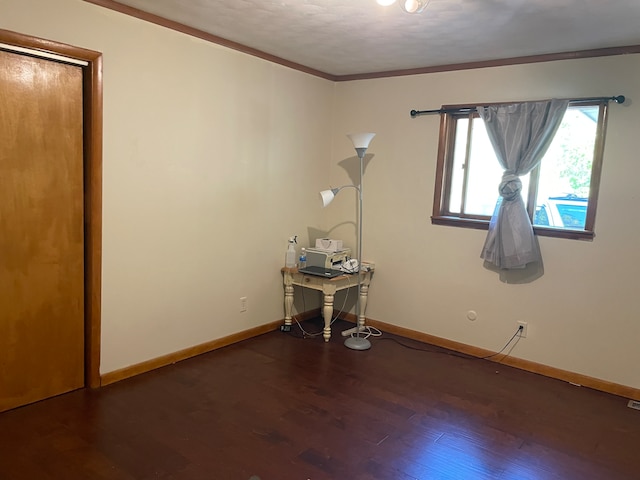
[618, 99]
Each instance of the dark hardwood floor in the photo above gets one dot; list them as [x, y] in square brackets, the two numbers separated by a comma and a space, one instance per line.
[278, 407]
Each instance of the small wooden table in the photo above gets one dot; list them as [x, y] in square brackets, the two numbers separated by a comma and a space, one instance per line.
[328, 287]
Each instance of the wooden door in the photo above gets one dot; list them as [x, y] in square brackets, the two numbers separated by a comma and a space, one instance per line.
[41, 229]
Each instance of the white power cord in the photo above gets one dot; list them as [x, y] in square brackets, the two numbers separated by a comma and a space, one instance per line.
[368, 331]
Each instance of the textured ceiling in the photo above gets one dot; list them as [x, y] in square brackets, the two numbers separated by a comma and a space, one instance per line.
[346, 37]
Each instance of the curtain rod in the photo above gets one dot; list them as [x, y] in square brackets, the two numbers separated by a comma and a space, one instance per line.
[415, 113]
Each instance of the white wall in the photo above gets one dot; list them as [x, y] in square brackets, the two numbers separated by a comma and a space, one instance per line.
[581, 313]
[209, 155]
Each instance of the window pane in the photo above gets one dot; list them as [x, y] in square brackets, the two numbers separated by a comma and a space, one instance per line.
[485, 174]
[457, 172]
[565, 171]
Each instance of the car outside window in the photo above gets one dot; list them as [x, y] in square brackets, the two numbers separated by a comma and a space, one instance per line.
[560, 194]
[567, 212]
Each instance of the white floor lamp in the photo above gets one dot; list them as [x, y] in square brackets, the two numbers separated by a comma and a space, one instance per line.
[361, 143]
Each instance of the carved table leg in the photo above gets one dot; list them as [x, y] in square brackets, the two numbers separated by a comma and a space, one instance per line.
[288, 298]
[364, 291]
[327, 314]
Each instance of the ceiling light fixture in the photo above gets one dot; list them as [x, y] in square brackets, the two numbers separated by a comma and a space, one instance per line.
[409, 6]
[414, 6]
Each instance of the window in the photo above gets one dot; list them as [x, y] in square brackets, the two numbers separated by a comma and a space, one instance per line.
[560, 194]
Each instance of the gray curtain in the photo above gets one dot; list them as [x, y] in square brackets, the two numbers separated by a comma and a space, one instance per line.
[520, 134]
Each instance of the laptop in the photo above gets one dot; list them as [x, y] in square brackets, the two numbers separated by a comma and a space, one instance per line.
[321, 271]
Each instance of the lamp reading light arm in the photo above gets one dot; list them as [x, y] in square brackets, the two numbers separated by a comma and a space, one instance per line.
[327, 196]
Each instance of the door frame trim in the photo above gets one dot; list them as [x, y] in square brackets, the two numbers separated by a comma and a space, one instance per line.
[92, 136]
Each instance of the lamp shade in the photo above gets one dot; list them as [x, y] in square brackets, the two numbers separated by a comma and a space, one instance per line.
[361, 140]
[327, 196]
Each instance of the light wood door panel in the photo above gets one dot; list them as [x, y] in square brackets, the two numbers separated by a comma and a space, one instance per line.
[41, 229]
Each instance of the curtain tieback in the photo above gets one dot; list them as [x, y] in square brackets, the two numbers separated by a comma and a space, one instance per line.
[510, 186]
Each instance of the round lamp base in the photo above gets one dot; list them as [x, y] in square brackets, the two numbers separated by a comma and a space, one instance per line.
[357, 343]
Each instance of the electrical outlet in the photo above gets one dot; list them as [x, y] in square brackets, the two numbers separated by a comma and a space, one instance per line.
[522, 332]
[243, 304]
